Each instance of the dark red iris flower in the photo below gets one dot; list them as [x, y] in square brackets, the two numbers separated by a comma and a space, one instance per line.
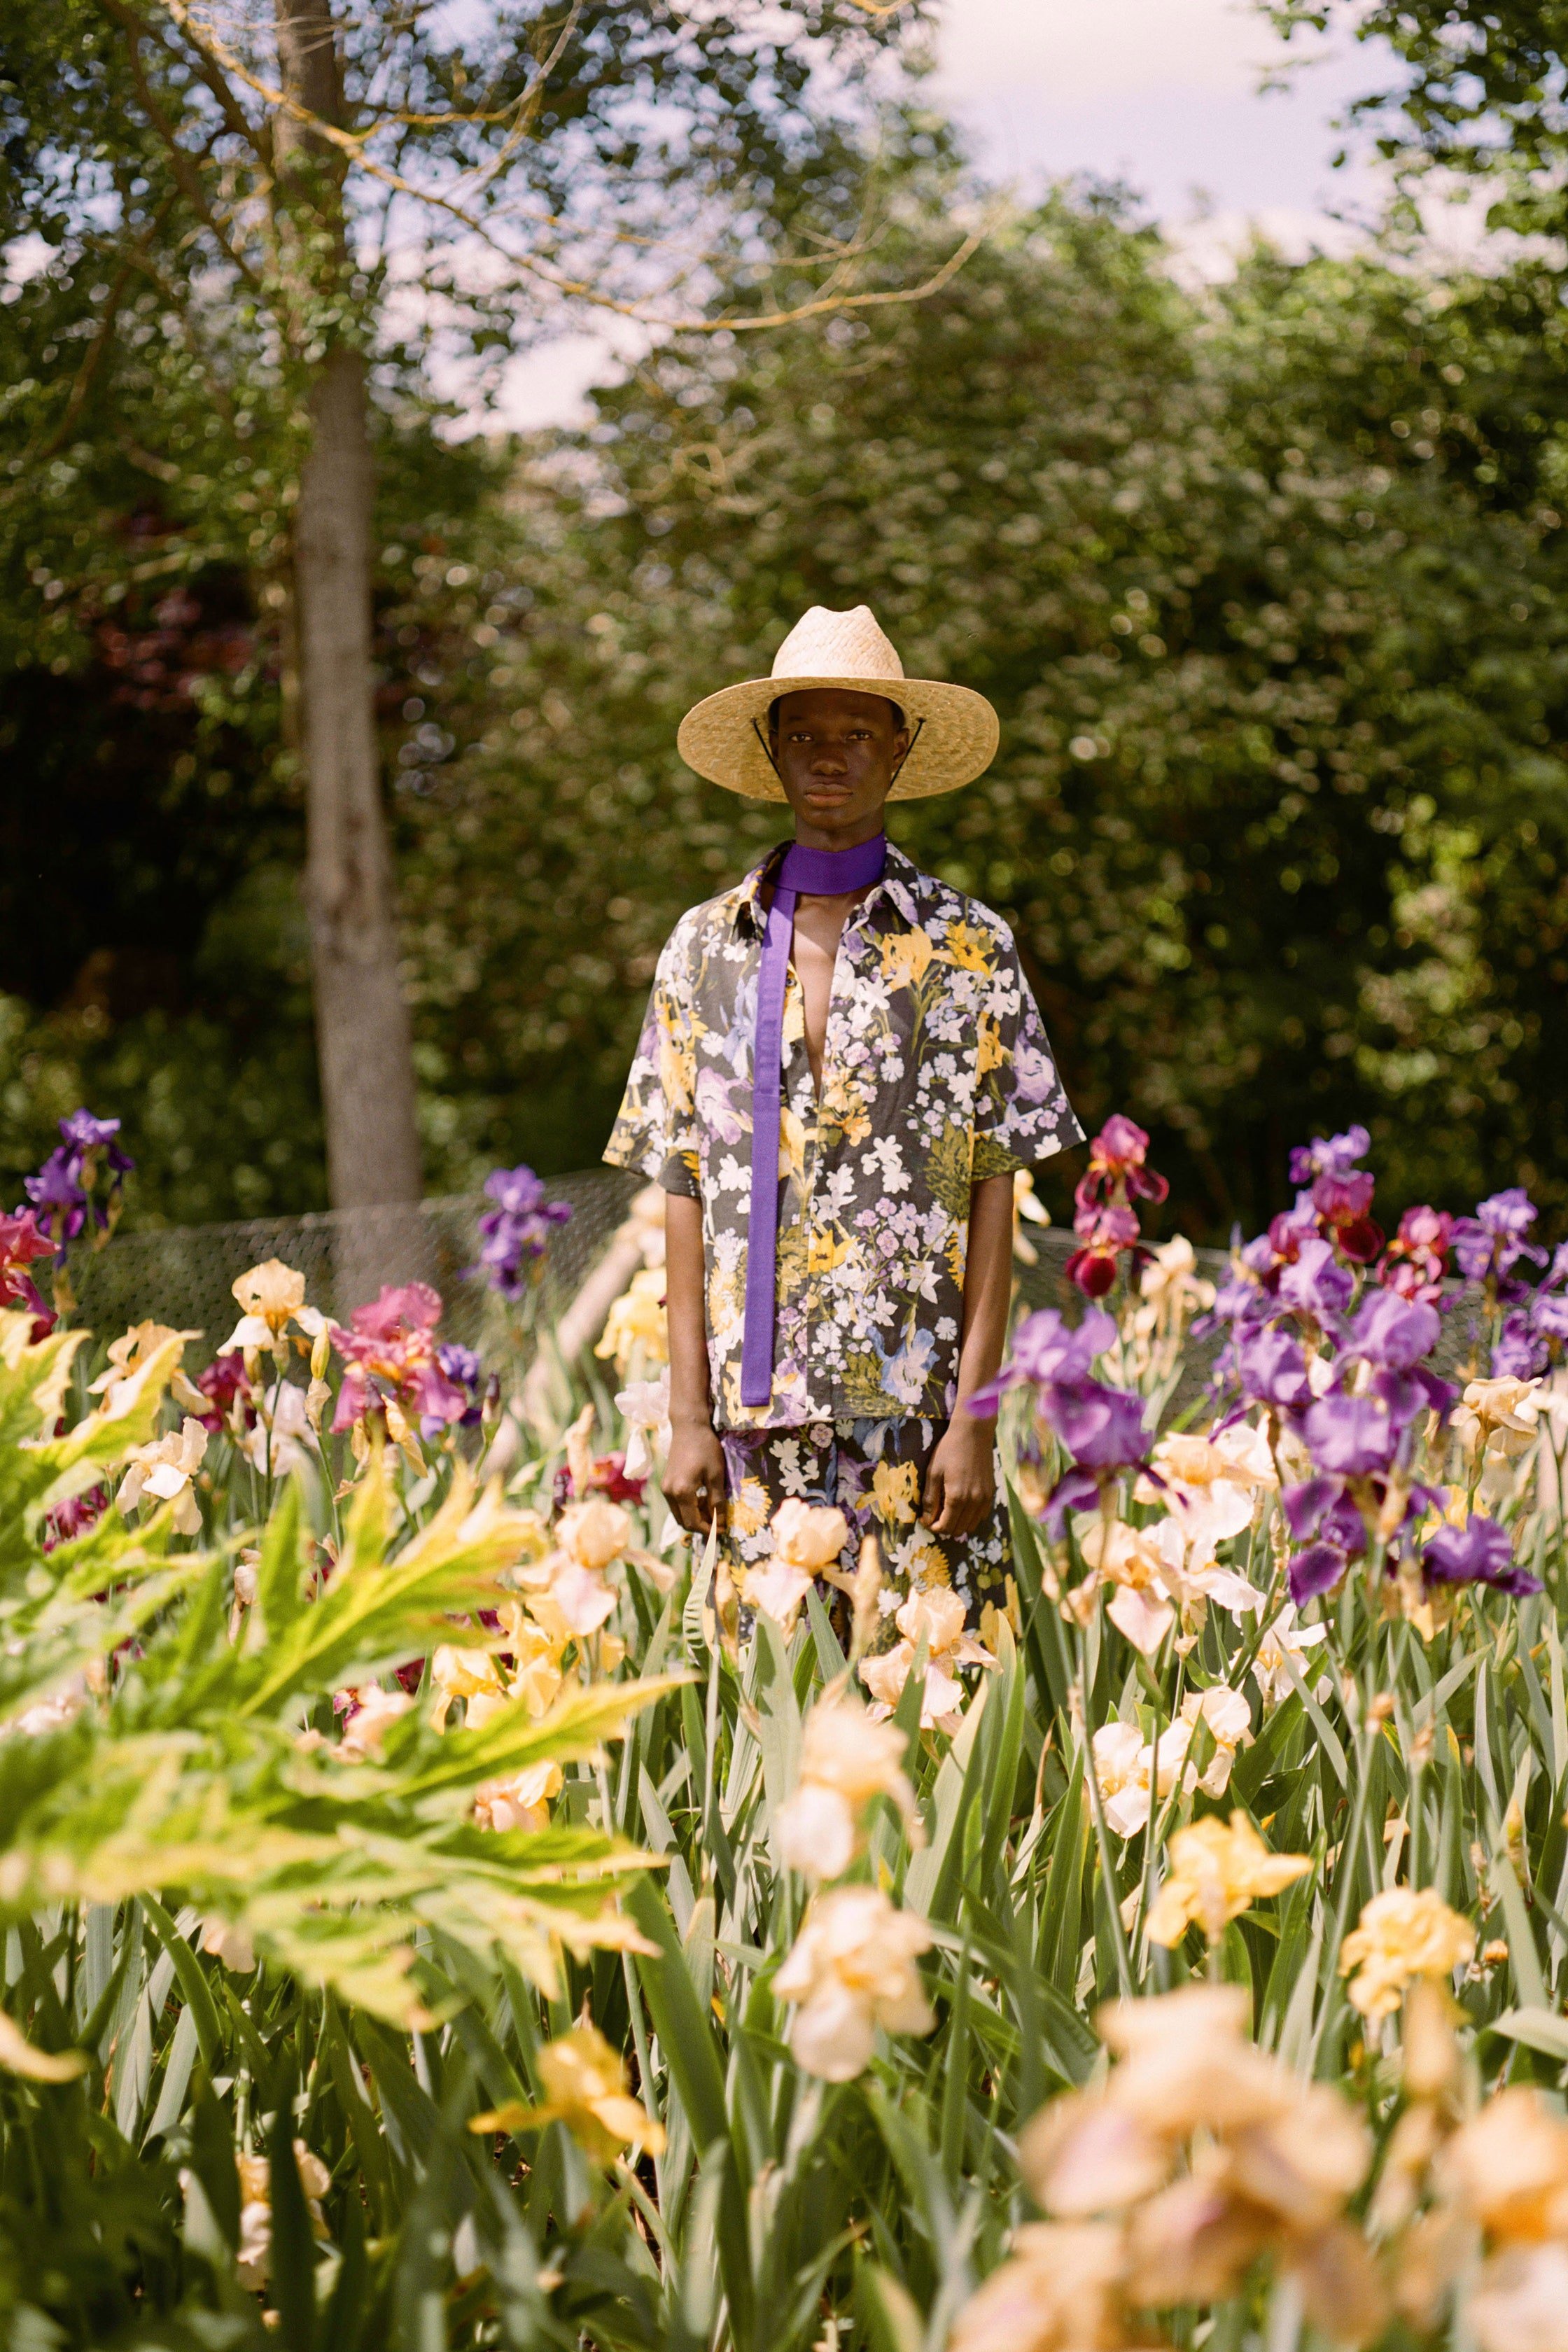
[1117, 1168]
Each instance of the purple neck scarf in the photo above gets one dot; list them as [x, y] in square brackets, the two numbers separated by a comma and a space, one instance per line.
[823, 874]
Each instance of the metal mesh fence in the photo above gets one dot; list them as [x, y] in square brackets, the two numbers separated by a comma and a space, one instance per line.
[183, 1276]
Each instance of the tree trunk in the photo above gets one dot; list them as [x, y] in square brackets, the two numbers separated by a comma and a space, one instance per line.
[362, 1021]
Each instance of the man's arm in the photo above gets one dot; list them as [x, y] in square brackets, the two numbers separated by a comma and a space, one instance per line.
[694, 1472]
[961, 1483]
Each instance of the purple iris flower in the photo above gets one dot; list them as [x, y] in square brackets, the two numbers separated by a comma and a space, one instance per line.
[1519, 1351]
[1548, 1315]
[464, 1371]
[84, 1133]
[1317, 1285]
[515, 1232]
[56, 1192]
[1075, 1490]
[1048, 1353]
[1334, 1156]
[1478, 1553]
[1319, 1508]
[1102, 1428]
[1272, 1370]
[1239, 1300]
[1491, 1243]
[64, 1202]
[1393, 1333]
[1350, 1437]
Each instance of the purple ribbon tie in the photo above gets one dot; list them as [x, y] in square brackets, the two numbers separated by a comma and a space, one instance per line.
[820, 873]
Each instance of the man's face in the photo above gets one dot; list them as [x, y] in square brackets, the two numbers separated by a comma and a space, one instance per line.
[838, 753]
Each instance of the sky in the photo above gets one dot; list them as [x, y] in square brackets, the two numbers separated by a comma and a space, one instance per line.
[1162, 94]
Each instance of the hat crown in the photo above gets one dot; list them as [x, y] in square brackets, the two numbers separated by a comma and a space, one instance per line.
[825, 644]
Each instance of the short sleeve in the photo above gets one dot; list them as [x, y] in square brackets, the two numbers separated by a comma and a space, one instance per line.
[1022, 1114]
[656, 1128]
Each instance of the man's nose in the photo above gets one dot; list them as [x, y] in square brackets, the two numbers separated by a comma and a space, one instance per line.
[828, 759]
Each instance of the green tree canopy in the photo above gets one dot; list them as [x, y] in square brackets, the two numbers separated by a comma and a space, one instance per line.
[1268, 590]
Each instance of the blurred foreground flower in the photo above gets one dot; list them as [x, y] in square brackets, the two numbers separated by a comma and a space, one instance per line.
[253, 2266]
[585, 2089]
[521, 1800]
[851, 1969]
[1195, 2158]
[130, 1355]
[808, 1540]
[937, 1619]
[21, 1246]
[636, 1331]
[1402, 1934]
[165, 1469]
[1218, 1870]
[848, 1760]
[644, 1406]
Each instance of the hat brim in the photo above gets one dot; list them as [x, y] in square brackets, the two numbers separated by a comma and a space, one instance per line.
[957, 735]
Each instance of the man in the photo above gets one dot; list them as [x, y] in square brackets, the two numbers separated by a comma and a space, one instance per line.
[841, 1070]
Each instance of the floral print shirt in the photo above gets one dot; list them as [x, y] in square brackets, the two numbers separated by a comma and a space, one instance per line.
[936, 1074]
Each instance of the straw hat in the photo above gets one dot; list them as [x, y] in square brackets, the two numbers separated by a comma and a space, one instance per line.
[724, 738]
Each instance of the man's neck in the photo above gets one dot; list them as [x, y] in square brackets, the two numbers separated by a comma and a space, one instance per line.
[847, 836]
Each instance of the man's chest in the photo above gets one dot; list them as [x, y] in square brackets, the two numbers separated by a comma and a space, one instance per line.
[881, 1034]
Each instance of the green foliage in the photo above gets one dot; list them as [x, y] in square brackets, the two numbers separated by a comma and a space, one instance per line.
[1268, 588]
[296, 2024]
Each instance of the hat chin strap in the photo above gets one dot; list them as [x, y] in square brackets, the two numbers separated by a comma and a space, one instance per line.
[768, 753]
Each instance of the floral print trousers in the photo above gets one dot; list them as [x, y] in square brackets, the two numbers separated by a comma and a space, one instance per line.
[874, 1472]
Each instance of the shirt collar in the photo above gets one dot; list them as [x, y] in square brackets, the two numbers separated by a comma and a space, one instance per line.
[899, 889]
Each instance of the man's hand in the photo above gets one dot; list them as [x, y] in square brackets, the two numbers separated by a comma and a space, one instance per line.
[694, 1476]
[961, 1479]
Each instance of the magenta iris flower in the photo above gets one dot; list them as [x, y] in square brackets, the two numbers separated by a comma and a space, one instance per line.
[1417, 1258]
[1116, 1165]
[389, 1353]
[21, 1243]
